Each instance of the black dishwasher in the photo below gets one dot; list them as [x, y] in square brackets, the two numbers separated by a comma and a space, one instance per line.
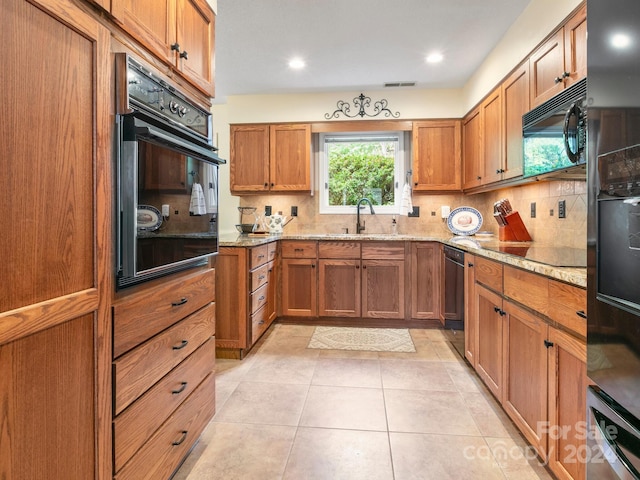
[453, 312]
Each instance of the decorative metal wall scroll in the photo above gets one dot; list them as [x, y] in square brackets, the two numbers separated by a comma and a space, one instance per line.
[362, 103]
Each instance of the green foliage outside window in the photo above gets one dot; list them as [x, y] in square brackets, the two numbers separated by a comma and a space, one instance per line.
[548, 152]
[361, 169]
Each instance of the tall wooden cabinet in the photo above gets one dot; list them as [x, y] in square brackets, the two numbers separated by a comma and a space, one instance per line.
[181, 32]
[55, 246]
[515, 103]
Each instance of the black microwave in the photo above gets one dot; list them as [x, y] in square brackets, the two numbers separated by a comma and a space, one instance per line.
[554, 134]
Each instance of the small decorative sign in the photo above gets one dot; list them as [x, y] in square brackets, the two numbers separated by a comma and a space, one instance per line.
[362, 103]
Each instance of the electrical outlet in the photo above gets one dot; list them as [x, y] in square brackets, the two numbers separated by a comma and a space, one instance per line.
[294, 211]
[551, 212]
[562, 209]
[415, 212]
[433, 214]
[175, 212]
[267, 211]
[533, 209]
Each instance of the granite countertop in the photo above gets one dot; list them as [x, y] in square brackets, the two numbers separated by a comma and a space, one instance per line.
[539, 258]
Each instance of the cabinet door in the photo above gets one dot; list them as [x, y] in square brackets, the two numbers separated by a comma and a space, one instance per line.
[437, 156]
[339, 288]
[470, 310]
[383, 288]
[249, 159]
[515, 98]
[165, 170]
[290, 158]
[152, 22]
[491, 134]
[425, 280]
[575, 46]
[299, 287]
[195, 33]
[547, 67]
[232, 293]
[489, 361]
[567, 404]
[526, 358]
[472, 149]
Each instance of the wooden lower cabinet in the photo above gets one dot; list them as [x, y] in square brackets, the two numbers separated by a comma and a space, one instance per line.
[525, 386]
[163, 373]
[568, 382]
[383, 289]
[299, 287]
[340, 286]
[491, 327]
[247, 291]
[425, 280]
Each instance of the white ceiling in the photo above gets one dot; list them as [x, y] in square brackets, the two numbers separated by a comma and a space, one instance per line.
[351, 45]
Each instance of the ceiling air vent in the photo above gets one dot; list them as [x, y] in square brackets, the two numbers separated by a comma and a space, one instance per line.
[399, 84]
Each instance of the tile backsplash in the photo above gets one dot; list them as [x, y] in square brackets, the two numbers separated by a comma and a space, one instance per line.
[544, 228]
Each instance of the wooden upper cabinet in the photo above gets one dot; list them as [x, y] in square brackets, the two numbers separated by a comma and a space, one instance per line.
[290, 158]
[180, 32]
[561, 60]
[249, 162]
[491, 121]
[515, 103]
[437, 155]
[471, 149]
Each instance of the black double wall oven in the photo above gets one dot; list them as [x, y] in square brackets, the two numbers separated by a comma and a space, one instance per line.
[613, 239]
[167, 177]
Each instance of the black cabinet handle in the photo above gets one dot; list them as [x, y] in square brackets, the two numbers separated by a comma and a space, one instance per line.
[182, 301]
[496, 309]
[181, 346]
[261, 277]
[175, 46]
[478, 177]
[183, 385]
[266, 184]
[184, 55]
[469, 264]
[548, 344]
[415, 184]
[261, 298]
[313, 265]
[581, 314]
[182, 439]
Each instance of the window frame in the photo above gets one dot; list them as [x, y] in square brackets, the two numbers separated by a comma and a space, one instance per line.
[399, 173]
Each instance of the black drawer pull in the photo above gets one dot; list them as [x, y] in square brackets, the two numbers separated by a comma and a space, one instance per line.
[469, 264]
[183, 385]
[261, 277]
[182, 439]
[181, 346]
[581, 314]
[260, 256]
[298, 249]
[261, 322]
[261, 298]
[182, 301]
[496, 309]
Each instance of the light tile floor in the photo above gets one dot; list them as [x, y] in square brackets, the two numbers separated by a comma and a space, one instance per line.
[288, 412]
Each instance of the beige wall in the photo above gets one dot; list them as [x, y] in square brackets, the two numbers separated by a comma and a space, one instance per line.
[540, 17]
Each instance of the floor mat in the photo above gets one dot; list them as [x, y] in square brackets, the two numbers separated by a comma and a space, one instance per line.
[367, 339]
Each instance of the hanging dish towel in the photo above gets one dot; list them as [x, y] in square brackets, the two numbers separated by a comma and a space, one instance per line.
[210, 187]
[406, 206]
[197, 206]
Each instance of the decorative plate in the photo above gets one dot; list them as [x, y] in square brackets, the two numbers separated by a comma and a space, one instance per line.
[148, 218]
[464, 221]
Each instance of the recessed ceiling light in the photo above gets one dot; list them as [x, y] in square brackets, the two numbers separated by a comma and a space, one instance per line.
[296, 63]
[620, 40]
[435, 57]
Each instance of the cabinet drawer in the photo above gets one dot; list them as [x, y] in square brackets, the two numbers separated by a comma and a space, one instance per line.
[147, 312]
[139, 369]
[272, 250]
[161, 455]
[489, 273]
[383, 250]
[259, 323]
[565, 301]
[299, 249]
[259, 277]
[527, 288]
[339, 250]
[135, 425]
[258, 256]
[259, 298]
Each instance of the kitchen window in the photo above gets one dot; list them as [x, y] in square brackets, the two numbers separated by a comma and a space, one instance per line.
[361, 165]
